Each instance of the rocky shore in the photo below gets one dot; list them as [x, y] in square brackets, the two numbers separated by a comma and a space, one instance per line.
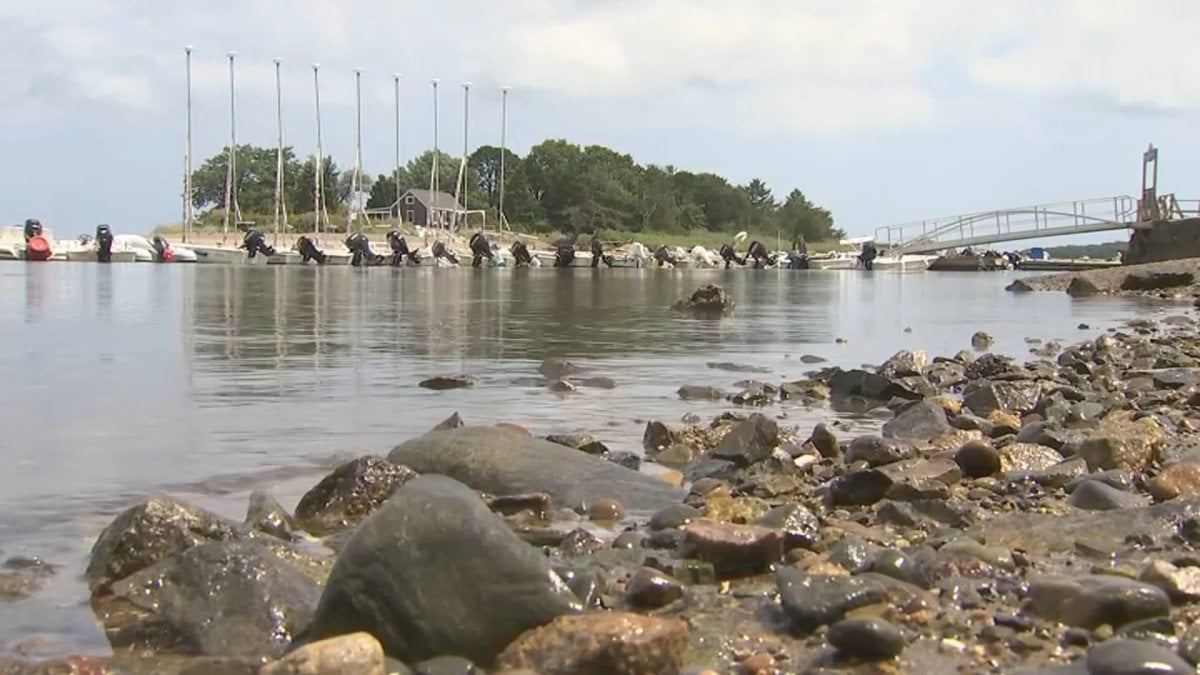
[1008, 517]
[1172, 279]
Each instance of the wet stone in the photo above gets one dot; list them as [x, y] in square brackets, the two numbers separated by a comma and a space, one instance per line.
[22, 577]
[1182, 584]
[1027, 457]
[651, 589]
[628, 460]
[695, 392]
[1177, 480]
[353, 654]
[860, 488]
[585, 442]
[1095, 600]
[733, 550]
[878, 451]
[867, 638]
[445, 665]
[600, 642]
[1093, 495]
[978, 459]
[674, 517]
[922, 421]
[900, 566]
[351, 493]
[1134, 657]
[265, 515]
[811, 601]
[749, 442]
[799, 525]
[852, 554]
[825, 441]
[606, 510]
[454, 421]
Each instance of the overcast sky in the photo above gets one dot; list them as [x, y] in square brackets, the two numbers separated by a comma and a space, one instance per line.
[882, 111]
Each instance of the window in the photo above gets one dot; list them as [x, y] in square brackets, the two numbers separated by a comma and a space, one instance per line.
[410, 216]
[410, 199]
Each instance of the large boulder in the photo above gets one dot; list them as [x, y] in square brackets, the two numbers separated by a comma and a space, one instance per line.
[750, 441]
[435, 572]
[151, 532]
[1122, 443]
[921, 422]
[499, 462]
[848, 383]
[707, 301]
[1156, 281]
[222, 598]
[984, 397]
[345, 498]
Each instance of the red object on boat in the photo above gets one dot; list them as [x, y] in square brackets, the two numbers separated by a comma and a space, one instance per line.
[168, 255]
[37, 248]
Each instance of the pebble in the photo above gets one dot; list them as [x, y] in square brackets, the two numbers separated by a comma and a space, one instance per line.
[1134, 657]
[978, 459]
[651, 589]
[1093, 495]
[606, 510]
[867, 638]
[674, 517]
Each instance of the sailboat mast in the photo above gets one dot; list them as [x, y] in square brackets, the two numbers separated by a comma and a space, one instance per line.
[319, 162]
[187, 150]
[433, 173]
[231, 159]
[356, 186]
[461, 188]
[278, 151]
[503, 148]
[396, 175]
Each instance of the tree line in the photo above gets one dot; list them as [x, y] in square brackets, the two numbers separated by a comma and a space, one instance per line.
[557, 187]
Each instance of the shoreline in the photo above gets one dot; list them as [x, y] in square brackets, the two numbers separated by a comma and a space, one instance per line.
[987, 474]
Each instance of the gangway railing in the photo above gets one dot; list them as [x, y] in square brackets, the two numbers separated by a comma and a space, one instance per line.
[1028, 222]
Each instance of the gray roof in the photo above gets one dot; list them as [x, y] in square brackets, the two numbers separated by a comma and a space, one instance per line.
[442, 200]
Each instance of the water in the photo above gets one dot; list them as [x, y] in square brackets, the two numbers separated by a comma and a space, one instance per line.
[205, 382]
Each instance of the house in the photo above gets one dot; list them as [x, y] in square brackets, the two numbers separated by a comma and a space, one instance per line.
[424, 208]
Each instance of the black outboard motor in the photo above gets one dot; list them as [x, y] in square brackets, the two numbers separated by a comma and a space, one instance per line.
[759, 254]
[162, 249]
[441, 251]
[104, 242]
[798, 260]
[360, 250]
[730, 256]
[598, 254]
[662, 255]
[868, 255]
[564, 255]
[400, 250]
[480, 249]
[33, 228]
[254, 242]
[309, 251]
[520, 253]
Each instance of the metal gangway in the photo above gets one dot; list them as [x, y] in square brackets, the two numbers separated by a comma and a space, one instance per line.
[994, 227]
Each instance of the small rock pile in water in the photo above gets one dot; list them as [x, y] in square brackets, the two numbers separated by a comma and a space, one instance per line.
[1027, 517]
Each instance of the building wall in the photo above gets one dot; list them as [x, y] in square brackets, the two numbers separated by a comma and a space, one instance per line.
[1165, 240]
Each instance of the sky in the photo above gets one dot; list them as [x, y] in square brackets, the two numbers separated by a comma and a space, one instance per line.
[884, 112]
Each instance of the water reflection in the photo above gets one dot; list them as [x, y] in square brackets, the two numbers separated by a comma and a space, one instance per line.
[303, 318]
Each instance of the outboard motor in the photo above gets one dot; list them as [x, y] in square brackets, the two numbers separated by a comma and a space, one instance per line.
[309, 251]
[662, 256]
[480, 249]
[400, 249]
[798, 260]
[730, 256]
[868, 255]
[520, 253]
[104, 243]
[441, 252]
[598, 254]
[1014, 259]
[33, 228]
[163, 252]
[758, 252]
[360, 250]
[564, 255]
[254, 242]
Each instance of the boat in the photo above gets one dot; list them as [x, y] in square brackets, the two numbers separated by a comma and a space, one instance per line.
[903, 262]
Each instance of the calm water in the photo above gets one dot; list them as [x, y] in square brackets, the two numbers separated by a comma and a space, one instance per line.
[208, 381]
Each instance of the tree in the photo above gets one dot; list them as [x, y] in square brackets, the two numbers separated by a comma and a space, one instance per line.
[760, 196]
[303, 189]
[255, 181]
[800, 217]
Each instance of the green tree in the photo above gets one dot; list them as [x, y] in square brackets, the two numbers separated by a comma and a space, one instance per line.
[800, 217]
[255, 181]
[760, 196]
[303, 190]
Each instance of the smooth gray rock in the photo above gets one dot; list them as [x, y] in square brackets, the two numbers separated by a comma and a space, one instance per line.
[811, 601]
[435, 572]
[984, 398]
[1095, 600]
[749, 442]
[1093, 495]
[265, 515]
[1134, 657]
[878, 451]
[867, 638]
[1038, 533]
[499, 461]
